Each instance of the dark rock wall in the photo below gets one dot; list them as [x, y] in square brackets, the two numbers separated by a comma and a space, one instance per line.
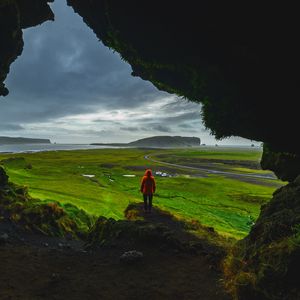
[285, 165]
[14, 16]
[11, 42]
[34, 12]
[238, 60]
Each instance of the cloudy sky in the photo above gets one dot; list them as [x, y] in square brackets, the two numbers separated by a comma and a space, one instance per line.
[68, 87]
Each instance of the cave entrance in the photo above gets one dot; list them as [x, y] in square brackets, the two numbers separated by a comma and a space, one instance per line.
[69, 88]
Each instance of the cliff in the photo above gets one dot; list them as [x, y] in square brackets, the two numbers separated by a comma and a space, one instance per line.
[166, 141]
[159, 142]
[4, 140]
[265, 265]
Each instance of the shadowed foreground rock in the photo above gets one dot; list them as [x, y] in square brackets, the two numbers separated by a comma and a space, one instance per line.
[266, 264]
[164, 266]
[111, 233]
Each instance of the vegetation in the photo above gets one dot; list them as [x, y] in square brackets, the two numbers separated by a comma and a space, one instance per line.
[49, 218]
[228, 205]
[285, 165]
[265, 264]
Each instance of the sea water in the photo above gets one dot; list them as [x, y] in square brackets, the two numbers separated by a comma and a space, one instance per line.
[19, 148]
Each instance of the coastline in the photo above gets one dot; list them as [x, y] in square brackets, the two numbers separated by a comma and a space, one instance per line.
[33, 148]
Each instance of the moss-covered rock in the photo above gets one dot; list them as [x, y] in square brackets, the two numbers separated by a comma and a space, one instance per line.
[109, 232]
[285, 165]
[265, 265]
[210, 53]
[49, 218]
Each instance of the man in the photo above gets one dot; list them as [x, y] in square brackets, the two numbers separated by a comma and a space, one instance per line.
[148, 187]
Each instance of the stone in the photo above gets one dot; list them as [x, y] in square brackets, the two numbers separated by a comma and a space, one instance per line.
[132, 256]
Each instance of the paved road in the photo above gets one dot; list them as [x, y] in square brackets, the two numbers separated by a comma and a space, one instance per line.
[218, 172]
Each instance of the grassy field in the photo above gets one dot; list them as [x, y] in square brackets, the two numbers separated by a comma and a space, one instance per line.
[230, 205]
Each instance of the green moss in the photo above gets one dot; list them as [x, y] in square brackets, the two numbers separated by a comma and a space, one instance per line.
[266, 263]
[50, 218]
[285, 165]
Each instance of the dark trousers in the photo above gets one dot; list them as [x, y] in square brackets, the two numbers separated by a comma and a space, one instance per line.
[148, 201]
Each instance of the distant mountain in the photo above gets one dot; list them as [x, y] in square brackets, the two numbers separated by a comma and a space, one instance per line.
[166, 141]
[5, 140]
[161, 142]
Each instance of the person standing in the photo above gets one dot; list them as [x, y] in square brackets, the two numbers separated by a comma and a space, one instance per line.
[148, 187]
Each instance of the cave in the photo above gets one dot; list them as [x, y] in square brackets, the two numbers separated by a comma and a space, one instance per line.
[239, 61]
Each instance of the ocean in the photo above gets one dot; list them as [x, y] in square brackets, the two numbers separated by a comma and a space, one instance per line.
[19, 148]
[25, 148]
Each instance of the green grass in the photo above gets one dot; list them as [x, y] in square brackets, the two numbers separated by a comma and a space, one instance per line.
[227, 205]
[220, 153]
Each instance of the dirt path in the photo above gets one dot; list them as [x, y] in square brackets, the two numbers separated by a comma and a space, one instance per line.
[31, 270]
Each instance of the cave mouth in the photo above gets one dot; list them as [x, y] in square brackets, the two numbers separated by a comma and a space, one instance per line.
[66, 91]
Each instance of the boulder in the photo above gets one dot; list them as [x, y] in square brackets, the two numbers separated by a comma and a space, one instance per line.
[3, 178]
[132, 256]
[285, 165]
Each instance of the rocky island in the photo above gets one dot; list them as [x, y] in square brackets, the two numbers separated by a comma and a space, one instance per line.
[160, 142]
[5, 140]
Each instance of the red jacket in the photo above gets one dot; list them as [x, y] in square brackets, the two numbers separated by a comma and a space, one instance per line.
[148, 183]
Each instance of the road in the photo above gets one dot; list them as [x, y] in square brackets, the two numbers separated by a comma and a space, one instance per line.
[216, 172]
